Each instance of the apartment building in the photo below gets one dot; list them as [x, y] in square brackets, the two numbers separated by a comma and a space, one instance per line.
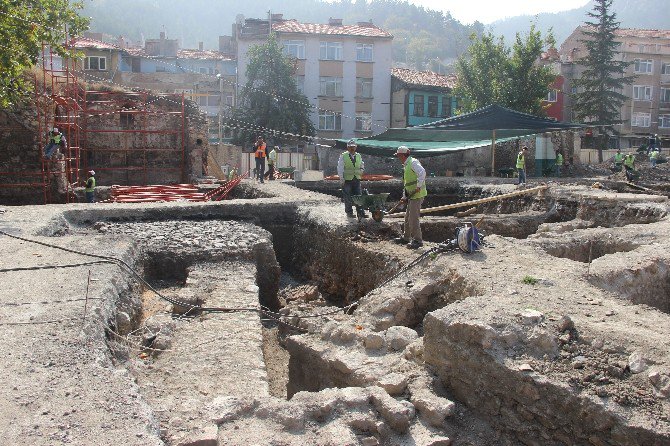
[647, 108]
[208, 77]
[344, 70]
[420, 97]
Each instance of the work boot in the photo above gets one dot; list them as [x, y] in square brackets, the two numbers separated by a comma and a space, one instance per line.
[400, 240]
[415, 244]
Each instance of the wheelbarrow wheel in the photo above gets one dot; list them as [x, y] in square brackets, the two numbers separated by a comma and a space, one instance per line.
[377, 215]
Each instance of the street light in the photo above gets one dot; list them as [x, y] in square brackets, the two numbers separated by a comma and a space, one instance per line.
[218, 76]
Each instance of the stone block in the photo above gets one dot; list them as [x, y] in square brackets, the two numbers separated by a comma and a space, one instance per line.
[400, 337]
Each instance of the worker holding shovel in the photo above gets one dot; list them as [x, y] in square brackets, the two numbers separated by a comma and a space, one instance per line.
[414, 180]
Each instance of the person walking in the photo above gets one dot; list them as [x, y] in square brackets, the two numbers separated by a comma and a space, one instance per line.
[414, 191]
[260, 154]
[272, 162]
[56, 139]
[521, 165]
[653, 157]
[559, 163]
[90, 187]
[618, 159]
[350, 168]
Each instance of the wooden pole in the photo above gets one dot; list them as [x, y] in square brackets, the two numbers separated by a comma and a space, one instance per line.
[493, 154]
[476, 202]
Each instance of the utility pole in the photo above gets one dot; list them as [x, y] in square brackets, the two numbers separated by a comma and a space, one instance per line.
[220, 106]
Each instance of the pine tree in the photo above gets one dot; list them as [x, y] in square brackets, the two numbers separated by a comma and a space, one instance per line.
[598, 99]
[270, 103]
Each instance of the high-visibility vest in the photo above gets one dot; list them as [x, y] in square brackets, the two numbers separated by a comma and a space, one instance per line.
[521, 161]
[653, 154]
[559, 160]
[352, 169]
[56, 138]
[90, 184]
[273, 157]
[260, 151]
[618, 158]
[629, 161]
[411, 179]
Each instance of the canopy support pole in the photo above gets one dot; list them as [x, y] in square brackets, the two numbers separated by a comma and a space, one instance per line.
[493, 154]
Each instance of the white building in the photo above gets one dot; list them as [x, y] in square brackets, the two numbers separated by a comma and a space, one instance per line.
[344, 70]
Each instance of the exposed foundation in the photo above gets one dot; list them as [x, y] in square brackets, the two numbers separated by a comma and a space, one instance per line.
[550, 335]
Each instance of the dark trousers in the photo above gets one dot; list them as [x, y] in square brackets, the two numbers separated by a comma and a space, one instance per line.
[271, 172]
[90, 197]
[351, 187]
[260, 169]
[50, 149]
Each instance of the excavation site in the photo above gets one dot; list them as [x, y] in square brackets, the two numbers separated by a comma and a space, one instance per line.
[273, 319]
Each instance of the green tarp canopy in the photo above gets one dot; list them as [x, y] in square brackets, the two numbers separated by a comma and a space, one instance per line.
[476, 129]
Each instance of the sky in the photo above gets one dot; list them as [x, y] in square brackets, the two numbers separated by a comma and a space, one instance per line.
[487, 11]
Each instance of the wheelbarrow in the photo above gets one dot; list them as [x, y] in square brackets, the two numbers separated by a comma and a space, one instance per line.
[371, 202]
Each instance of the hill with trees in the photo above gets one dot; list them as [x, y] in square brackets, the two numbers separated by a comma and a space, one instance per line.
[423, 38]
[648, 14]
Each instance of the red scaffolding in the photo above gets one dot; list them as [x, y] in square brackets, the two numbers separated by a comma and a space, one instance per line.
[134, 138]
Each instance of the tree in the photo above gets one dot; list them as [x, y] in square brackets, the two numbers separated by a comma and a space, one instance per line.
[24, 26]
[599, 97]
[496, 74]
[270, 99]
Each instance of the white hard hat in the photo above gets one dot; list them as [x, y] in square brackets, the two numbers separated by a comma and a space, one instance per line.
[92, 172]
[351, 143]
[55, 130]
[402, 150]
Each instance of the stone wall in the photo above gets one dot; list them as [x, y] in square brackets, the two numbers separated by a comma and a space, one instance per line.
[227, 154]
[21, 146]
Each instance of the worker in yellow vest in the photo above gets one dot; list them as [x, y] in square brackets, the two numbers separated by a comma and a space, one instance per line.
[521, 165]
[350, 168]
[629, 165]
[260, 154]
[56, 139]
[618, 159]
[559, 163]
[653, 157]
[414, 191]
[272, 162]
[90, 187]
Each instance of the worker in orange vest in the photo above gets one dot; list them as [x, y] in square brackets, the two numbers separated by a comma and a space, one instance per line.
[260, 154]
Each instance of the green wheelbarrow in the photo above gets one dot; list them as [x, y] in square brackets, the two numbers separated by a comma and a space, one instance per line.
[371, 202]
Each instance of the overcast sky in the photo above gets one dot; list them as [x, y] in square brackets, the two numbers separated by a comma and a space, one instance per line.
[487, 11]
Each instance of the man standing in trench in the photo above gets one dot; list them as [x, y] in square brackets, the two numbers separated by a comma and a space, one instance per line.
[414, 180]
[350, 168]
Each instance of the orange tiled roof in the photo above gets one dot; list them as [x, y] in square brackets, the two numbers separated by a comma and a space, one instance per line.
[363, 30]
[646, 33]
[424, 78]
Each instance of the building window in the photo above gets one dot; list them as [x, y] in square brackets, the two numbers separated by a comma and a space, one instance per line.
[665, 94]
[330, 86]
[643, 66]
[209, 100]
[642, 92]
[664, 121]
[202, 70]
[418, 105]
[95, 63]
[330, 51]
[552, 96]
[446, 106]
[641, 120]
[329, 120]
[228, 99]
[300, 83]
[665, 68]
[364, 52]
[363, 87]
[294, 48]
[363, 122]
[432, 106]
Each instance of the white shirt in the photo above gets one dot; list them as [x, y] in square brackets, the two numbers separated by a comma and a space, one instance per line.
[340, 165]
[419, 171]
